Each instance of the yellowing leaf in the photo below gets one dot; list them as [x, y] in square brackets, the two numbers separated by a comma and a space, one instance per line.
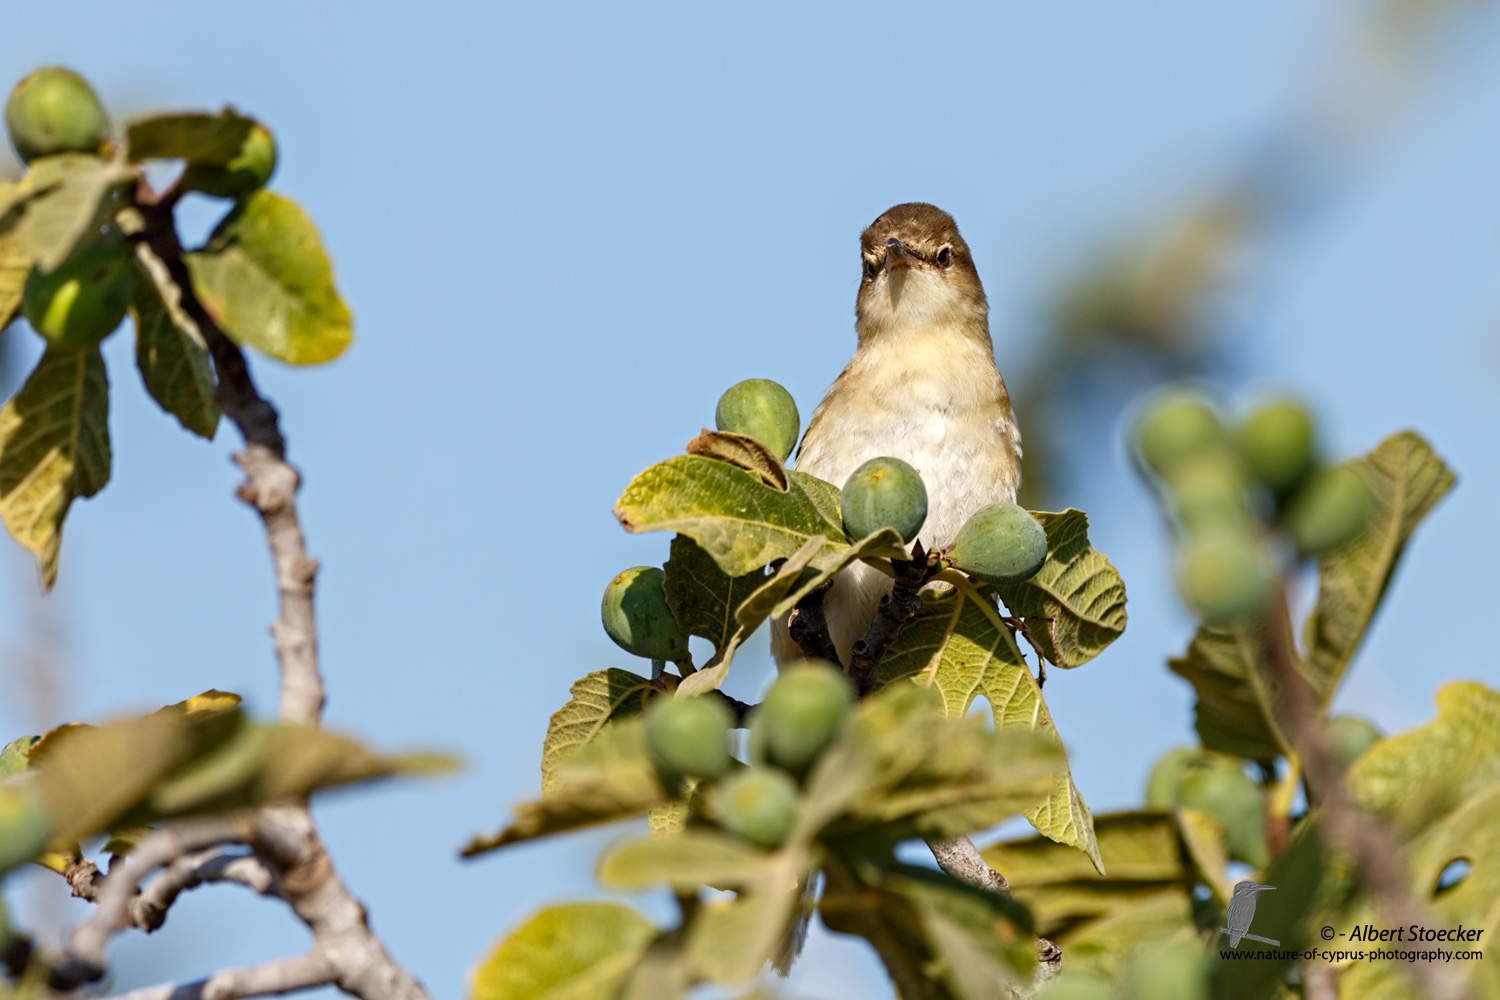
[684, 862]
[577, 951]
[1076, 587]
[54, 448]
[266, 280]
[211, 140]
[596, 699]
[1407, 480]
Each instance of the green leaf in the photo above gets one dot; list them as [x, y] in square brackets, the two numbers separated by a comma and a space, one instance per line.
[267, 282]
[729, 942]
[211, 140]
[54, 448]
[13, 758]
[738, 520]
[1102, 947]
[1233, 713]
[683, 862]
[169, 350]
[957, 645]
[596, 698]
[62, 202]
[1416, 778]
[609, 778]
[1407, 480]
[23, 830]
[824, 496]
[577, 951]
[15, 264]
[1076, 587]
[883, 544]
[702, 596]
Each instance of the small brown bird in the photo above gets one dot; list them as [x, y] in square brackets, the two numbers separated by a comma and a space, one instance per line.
[922, 387]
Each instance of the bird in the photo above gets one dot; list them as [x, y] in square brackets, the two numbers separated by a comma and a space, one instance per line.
[922, 386]
[1242, 911]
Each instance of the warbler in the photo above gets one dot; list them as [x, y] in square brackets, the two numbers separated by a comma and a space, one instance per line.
[922, 387]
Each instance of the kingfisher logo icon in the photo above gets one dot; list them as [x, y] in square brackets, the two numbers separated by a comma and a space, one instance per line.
[1242, 911]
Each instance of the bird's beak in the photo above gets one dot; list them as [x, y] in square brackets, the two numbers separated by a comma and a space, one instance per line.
[898, 254]
[1263, 888]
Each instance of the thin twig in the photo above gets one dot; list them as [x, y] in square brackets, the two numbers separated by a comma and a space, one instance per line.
[1376, 854]
[148, 911]
[895, 610]
[808, 627]
[285, 976]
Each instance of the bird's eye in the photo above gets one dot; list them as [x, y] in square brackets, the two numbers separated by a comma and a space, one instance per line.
[870, 269]
[945, 257]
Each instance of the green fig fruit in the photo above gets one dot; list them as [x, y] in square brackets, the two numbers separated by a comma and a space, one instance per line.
[1001, 543]
[762, 409]
[1277, 441]
[688, 737]
[759, 804]
[54, 110]
[802, 713]
[637, 617]
[23, 826]
[1177, 970]
[1228, 795]
[84, 299]
[1351, 737]
[1209, 490]
[1225, 574]
[884, 493]
[250, 170]
[1176, 425]
[1330, 511]
[1165, 782]
[13, 759]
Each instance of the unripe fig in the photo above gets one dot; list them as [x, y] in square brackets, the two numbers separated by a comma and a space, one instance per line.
[1351, 737]
[84, 299]
[1277, 441]
[1176, 425]
[1176, 971]
[637, 617]
[688, 737]
[1163, 785]
[1224, 574]
[23, 826]
[762, 409]
[13, 759]
[802, 713]
[54, 110]
[1001, 543]
[884, 493]
[759, 804]
[1228, 795]
[1209, 490]
[1330, 511]
[250, 169]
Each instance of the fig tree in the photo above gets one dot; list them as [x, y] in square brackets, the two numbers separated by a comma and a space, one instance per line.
[250, 169]
[1231, 797]
[1166, 776]
[1330, 511]
[1001, 543]
[1351, 737]
[759, 804]
[1277, 441]
[1176, 425]
[802, 713]
[637, 617]
[83, 299]
[884, 493]
[762, 409]
[54, 110]
[1224, 574]
[688, 737]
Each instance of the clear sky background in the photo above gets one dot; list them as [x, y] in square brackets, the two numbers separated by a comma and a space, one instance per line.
[564, 229]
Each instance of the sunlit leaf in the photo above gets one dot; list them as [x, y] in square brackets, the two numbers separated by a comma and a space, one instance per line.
[211, 140]
[1234, 711]
[596, 698]
[577, 951]
[169, 350]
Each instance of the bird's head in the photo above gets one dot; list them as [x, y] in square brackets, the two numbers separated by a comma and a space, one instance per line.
[917, 274]
[1249, 888]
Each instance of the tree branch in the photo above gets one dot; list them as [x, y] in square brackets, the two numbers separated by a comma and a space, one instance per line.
[807, 626]
[148, 911]
[1376, 854]
[285, 976]
[896, 609]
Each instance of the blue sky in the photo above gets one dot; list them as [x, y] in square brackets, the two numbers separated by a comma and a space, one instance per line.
[564, 229]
